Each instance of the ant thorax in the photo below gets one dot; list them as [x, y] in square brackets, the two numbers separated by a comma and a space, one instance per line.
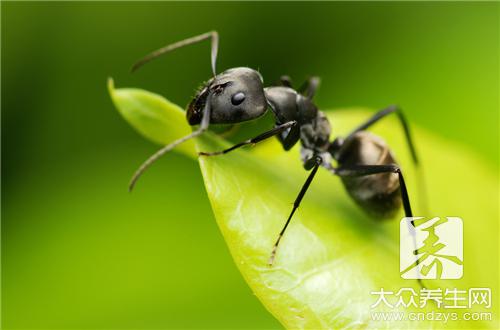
[315, 134]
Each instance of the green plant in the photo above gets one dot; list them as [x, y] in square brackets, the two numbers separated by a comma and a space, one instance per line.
[333, 255]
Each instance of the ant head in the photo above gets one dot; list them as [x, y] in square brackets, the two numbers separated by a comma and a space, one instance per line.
[237, 95]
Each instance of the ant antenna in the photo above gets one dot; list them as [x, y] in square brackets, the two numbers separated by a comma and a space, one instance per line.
[205, 121]
[189, 41]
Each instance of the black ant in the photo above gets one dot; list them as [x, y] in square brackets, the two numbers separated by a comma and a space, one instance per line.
[366, 165]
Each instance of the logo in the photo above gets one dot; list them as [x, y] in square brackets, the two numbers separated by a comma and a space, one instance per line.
[432, 249]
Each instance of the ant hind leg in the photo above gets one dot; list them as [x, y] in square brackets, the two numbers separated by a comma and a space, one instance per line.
[422, 187]
[362, 170]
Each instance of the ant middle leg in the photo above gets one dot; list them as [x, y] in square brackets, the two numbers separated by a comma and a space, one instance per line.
[275, 131]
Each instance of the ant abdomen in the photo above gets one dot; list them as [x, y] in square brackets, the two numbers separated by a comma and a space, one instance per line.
[378, 194]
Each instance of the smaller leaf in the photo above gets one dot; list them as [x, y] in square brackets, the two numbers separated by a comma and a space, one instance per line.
[154, 117]
[333, 256]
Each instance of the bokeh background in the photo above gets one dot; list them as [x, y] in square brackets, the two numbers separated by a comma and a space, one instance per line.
[78, 251]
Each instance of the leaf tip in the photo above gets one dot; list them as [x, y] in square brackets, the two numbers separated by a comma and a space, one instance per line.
[111, 85]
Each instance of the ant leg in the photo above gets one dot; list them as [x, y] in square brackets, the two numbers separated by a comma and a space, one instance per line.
[362, 170]
[381, 114]
[309, 87]
[314, 163]
[276, 130]
[291, 138]
[422, 187]
[189, 41]
[286, 81]
[205, 121]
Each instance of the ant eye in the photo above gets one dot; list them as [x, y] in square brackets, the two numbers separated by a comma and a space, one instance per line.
[237, 98]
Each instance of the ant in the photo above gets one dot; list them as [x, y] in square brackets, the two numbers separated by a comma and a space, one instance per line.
[366, 165]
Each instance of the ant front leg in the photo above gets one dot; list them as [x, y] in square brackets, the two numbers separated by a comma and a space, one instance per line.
[276, 130]
[313, 163]
[362, 170]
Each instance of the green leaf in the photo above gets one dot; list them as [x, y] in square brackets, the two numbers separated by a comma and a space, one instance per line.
[333, 255]
[156, 118]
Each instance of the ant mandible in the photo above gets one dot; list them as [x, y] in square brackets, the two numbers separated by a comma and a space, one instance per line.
[366, 165]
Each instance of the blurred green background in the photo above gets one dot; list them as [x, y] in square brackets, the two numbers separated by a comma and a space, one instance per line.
[78, 251]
